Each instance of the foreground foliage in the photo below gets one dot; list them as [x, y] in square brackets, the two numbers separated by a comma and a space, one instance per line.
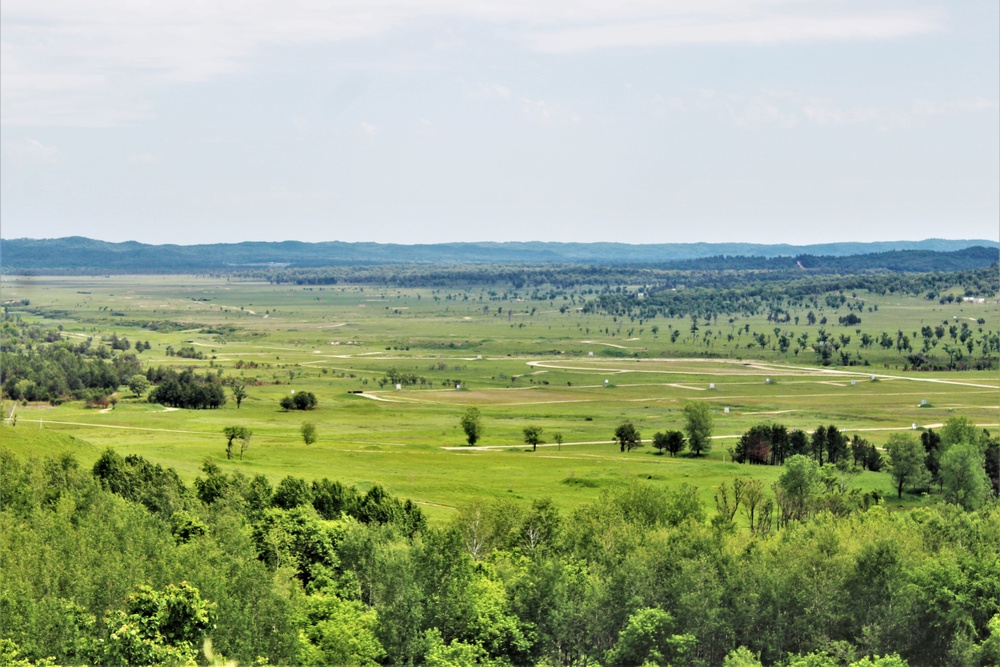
[125, 564]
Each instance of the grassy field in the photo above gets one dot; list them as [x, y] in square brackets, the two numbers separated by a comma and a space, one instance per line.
[520, 359]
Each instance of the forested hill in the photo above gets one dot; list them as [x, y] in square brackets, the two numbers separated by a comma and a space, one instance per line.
[82, 255]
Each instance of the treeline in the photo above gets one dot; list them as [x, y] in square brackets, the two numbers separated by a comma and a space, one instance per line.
[186, 389]
[910, 272]
[320, 573]
[961, 460]
[712, 294]
[38, 364]
[909, 261]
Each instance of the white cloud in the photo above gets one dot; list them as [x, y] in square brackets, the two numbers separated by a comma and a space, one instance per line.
[790, 109]
[929, 108]
[33, 150]
[489, 91]
[695, 29]
[142, 158]
[369, 130]
[66, 62]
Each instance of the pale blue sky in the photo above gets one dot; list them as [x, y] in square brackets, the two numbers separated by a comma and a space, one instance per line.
[408, 121]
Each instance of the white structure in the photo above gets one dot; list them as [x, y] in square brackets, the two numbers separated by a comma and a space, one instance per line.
[711, 385]
[725, 410]
[398, 387]
[590, 354]
[768, 381]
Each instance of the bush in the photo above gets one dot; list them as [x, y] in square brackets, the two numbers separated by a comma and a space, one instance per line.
[304, 400]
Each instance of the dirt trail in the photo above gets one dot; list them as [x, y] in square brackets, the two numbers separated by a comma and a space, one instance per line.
[42, 422]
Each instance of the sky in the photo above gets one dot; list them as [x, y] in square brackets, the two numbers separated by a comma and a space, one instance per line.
[424, 121]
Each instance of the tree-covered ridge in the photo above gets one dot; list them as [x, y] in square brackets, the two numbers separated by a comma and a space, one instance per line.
[126, 564]
[83, 255]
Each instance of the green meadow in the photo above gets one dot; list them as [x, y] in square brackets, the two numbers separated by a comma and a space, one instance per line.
[521, 357]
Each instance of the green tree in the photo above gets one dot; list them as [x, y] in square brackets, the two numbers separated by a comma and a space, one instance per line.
[138, 384]
[627, 437]
[308, 431]
[958, 430]
[157, 627]
[648, 638]
[660, 442]
[741, 657]
[472, 423]
[239, 391]
[906, 462]
[303, 400]
[338, 632]
[241, 433]
[698, 426]
[558, 438]
[292, 492]
[795, 487]
[963, 477]
[533, 436]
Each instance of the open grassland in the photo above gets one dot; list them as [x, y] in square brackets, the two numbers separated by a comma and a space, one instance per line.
[520, 358]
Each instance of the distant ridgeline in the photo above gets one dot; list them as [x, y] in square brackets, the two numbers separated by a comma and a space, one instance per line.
[78, 255]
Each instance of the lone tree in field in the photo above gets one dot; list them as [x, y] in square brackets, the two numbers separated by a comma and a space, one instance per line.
[558, 437]
[627, 436]
[698, 427]
[239, 390]
[472, 424]
[533, 437]
[308, 431]
[241, 433]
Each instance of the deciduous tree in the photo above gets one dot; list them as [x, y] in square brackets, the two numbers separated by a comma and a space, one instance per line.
[533, 436]
[241, 433]
[627, 437]
[963, 477]
[698, 427]
[906, 462]
[472, 424]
